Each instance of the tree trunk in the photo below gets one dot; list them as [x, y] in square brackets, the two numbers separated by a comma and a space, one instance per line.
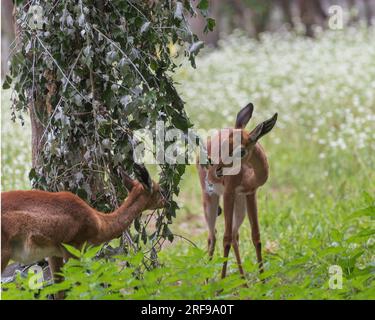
[37, 130]
[368, 12]
[319, 10]
[287, 12]
[306, 10]
[7, 34]
[35, 105]
[261, 15]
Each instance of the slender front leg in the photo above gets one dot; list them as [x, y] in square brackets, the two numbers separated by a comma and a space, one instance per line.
[228, 229]
[55, 265]
[237, 254]
[238, 217]
[211, 205]
[252, 211]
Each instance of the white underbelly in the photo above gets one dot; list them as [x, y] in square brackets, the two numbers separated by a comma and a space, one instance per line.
[29, 255]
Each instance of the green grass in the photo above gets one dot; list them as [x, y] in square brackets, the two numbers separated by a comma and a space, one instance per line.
[317, 208]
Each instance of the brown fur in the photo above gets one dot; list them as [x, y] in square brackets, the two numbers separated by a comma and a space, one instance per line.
[238, 191]
[35, 224]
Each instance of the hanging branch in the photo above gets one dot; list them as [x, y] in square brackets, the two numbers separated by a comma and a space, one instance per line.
[100, 71]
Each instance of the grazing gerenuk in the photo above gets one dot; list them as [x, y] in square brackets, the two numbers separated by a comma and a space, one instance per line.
[238, 190]
[35, 224]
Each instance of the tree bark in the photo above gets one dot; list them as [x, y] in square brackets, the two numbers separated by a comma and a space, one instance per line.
[287, 12]
[261, 15]
[35, 105]
[319, 10]
[37, 130]
[368, 12]
[306, 10]
[7, 33]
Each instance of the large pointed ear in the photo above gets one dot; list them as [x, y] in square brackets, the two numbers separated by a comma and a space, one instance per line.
[143, 176]
[244, 116]
[128, 182]
[262, 129]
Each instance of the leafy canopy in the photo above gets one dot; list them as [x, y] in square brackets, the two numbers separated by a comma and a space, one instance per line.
[92, 72]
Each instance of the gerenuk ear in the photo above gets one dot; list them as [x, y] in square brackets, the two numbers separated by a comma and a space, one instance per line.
[128, 182]
[143, 176]
[263, 128]
[244, 116]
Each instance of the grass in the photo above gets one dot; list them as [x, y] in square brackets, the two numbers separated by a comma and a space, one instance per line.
[317, 208]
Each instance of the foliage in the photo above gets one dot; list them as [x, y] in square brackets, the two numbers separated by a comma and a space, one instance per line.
[190, 275]
[316, 209]
[94, 72]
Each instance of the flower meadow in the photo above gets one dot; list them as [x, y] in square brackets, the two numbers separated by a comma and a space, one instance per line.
[317, 209]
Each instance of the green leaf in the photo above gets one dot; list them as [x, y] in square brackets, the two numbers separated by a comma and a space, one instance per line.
[330, 251]
[75, 252]
[365, 212]
[91, 252]
[203, 5]
[300, 260]
[7, 82]
[367, 233]
[210, 25]
[32, 174]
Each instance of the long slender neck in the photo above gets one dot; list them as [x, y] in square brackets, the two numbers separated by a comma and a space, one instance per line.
[113, 224]
[259, 163]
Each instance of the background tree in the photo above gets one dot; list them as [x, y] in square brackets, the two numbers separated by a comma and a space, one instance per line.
[90, 72]
[257, 16]
[7, 34]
